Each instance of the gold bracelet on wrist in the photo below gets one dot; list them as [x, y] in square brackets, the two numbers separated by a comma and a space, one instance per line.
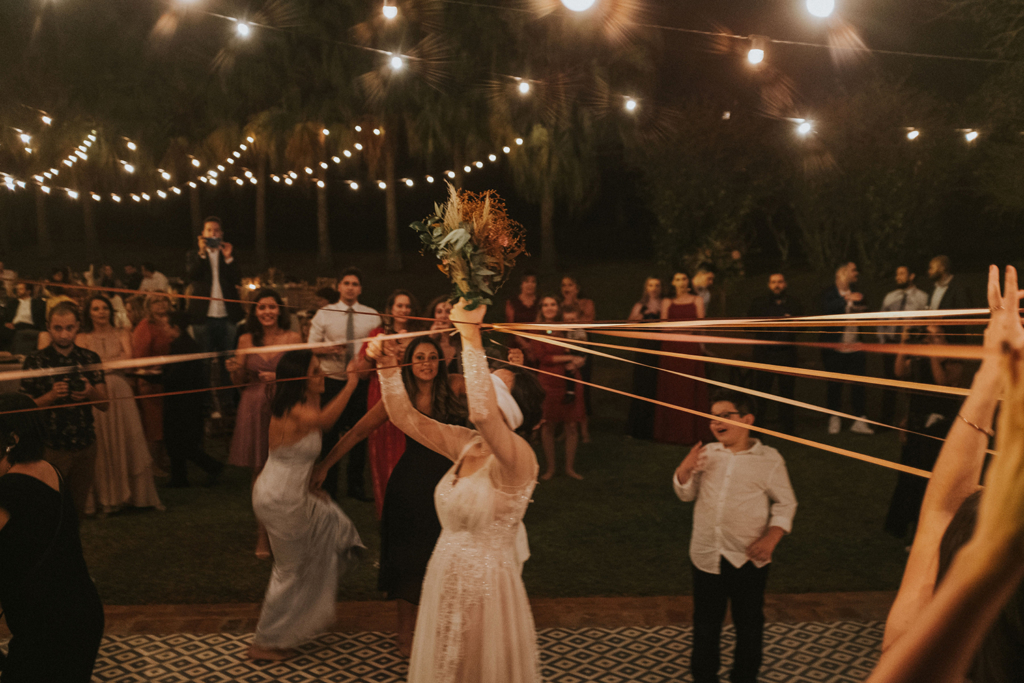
[987, 432]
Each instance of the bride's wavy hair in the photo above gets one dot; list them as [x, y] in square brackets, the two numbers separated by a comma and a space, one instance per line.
[529, 396]
[446, 406]
[292, 369]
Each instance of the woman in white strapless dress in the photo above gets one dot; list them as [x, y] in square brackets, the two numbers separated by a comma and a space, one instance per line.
[474, 623]
[312, 540]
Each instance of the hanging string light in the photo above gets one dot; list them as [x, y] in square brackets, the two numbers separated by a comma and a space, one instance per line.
[913, 134]
[390, 10]
[578, 5]
[821, 8]
[243, 29]
[630, 105]
[758, 48]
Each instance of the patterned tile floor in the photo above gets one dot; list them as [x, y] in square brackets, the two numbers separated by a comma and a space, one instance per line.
[808, 652]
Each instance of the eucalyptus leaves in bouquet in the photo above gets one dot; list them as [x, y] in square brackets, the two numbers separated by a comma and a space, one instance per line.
[476, 242]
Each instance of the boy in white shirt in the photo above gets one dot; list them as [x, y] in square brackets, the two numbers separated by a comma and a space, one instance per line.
[744, 506]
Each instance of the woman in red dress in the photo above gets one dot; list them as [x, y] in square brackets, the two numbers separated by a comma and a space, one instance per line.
[387, 443]
[152, 337]
[522, 308]
[675, 426]
[560, 405]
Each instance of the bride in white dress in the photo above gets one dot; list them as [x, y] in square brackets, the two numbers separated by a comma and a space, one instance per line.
[474, 623]
[312, 540]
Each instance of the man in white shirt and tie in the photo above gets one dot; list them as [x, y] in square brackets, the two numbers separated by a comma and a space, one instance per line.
[906, 297]
[343, 323]
[745, 504]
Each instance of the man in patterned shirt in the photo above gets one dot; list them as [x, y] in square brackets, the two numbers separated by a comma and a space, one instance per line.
[70, 434]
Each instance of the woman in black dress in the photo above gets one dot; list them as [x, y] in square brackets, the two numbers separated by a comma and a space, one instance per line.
[409, 526]
[645, 379]
[50, 603]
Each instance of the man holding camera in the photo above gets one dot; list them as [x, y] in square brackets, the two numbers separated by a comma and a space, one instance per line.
[214, 279]
[69, 395]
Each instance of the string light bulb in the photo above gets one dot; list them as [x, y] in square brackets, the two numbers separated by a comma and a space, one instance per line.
[116, 198]
[176, 190]
[450, 174]
[390, 10]
[26, 138]
[45, 189]
[913, 134]
[132, 146]
[358, 146]
[243, 29]
[382, 185]
[506, 149]
[467, 169]
[524, 87]
[250, 139]
[396, 64]
[347, 154]
[821, 8]
[165, 175]
[72, 194]
[326, 131]
[323, 164]
[47, 120]
[804, 128]
[430, 178]
[519, 141]
[758, 47]
[129, 168]
[478, 164]
[578, 5]
[354, 185]
[336, 160]
[971, 135]
[630, 104]
[408, 182]
[492, 157]
[376, 131]
[161, 194]
[95, 197]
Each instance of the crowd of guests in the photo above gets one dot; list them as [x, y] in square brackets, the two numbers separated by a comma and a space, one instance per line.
[109, 443]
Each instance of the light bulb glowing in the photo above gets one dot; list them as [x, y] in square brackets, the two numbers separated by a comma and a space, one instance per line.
[115, 198]
[47, 120]
[242, 147]
[325, 131]
[67, 163]
[72, 194]
[250, 139]
[578, 5]
[275, 178]
[450, 174]
[195, 162]
[354, 186]
[95, 197]
[382, 185]
[336, 160]
[971, 135]
[287, 181]
[524, 87]
[390, 11]
[320, 184]
[132, 146]
[478, 164]
[913, 135]
[430, 178]
[467, 169]
[213, 182]
[755, 56]
[237, 155]
[519, 141]
[376, 131]
[248, 174]
[630, 104]
[212, 174]
[821, 8]
[359, 129]
[506, 149]
[26, 138]
[219, 168]
[239, 181]
[252, 180]
[323, 164]
[347, 153]
[129, 168]
[492, 157]
[358, 146]
[804, 128]
[145, 196]
[165, 175]
[137, 198]
[175, 190]
[408, 182]
[45, 189]
[293, 175]
[192, 185]
[243, 29]
[161, 194]
[204, 179]
[308, 170]
[396, 64]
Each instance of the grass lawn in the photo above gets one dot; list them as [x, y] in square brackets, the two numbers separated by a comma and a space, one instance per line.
[621, 531]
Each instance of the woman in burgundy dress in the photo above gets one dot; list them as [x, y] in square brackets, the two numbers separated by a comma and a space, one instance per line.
[561, 406]
[676, 426]
[522, 308]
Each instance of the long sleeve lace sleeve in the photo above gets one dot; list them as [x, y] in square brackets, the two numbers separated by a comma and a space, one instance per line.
[448, 440]
[512, 450]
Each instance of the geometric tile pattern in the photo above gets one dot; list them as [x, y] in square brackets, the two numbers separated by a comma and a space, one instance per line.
[836, 652]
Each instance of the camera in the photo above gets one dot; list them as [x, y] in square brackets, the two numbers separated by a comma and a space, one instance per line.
[213, 242]
[76, 382]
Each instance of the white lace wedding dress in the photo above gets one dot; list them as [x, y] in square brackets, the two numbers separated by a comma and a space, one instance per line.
[313, 542]
[474, 623]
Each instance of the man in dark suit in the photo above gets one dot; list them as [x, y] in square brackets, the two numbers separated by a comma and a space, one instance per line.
[213, 276]
[23, 319]
[949, 294]
[777, 303]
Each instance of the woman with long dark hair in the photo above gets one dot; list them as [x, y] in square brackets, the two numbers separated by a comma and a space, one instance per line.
[124, 466]
[51, 605]
[409, 526]
[311, 538]
[268, 324]
[386, 443]
[474, 622]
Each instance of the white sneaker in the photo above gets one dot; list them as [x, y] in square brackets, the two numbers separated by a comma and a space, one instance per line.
[834, 424]
[861, 427]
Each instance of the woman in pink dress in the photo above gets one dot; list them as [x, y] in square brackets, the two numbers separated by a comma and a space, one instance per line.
[561, 407]
[676, 426]
[268, 324]
[387, 443]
